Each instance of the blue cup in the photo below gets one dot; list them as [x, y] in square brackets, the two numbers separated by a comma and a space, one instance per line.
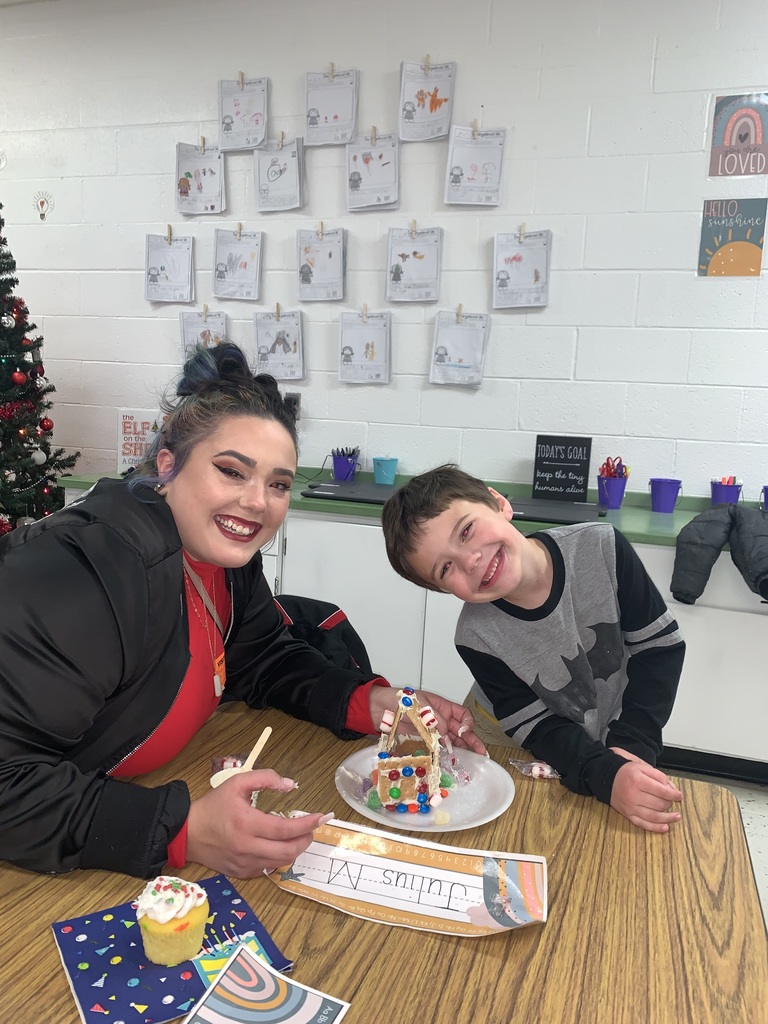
[384, 470]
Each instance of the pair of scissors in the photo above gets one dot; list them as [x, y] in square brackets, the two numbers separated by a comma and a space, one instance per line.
[614, 467]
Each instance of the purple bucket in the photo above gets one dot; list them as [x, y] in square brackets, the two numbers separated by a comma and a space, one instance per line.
[610, 491]
[345, 467]
[664, 493]
[725, 494]
[763, 503]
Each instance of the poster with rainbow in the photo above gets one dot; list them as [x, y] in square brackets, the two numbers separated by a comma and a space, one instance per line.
[411, 883]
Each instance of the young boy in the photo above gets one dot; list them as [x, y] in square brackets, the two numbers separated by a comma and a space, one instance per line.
[575, 656]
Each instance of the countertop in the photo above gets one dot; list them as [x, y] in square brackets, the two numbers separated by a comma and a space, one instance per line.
[634, 519]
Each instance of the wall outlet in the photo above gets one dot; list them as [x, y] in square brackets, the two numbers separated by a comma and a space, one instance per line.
[293, 401]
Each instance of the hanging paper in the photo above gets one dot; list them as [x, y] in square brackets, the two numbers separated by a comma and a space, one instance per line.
[426, 100]
[279, 345]
[739, 136]
[322, 264]
[458, 349]
[373, 172]
[732, 233]
[200, 186]
[473, 170]
[168, 269]
[242, 113]
[364, 348]
[279, 173]
[521, 269]
[414, 265]
[331, 106]
[237, 264]
[208, 329]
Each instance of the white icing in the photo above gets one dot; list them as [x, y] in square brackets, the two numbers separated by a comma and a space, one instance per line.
[167, 897]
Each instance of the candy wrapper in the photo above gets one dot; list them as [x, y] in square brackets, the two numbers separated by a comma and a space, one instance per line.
[535, 769]
[227, 761]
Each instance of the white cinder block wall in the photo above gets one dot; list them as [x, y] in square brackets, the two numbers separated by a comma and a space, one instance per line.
[608, 107]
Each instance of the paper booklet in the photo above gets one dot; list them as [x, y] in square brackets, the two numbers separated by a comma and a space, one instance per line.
[322, 264]
[521, 269]
[331, 107]
[237, 264]
[278, 171]
[458, 349]
[248, 990]
[426, 100]
[207, 329]
[365, 348]
[279, 345]
[168, 268]
[136, 430]
[242, 113]
[473, 169]
[414, 264]
[200, 184]
[373, 175]
[112, 980]
[411, 883]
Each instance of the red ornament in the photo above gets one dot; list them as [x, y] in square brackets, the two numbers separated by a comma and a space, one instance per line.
[27, 342]
[46, 423]
[17, 377]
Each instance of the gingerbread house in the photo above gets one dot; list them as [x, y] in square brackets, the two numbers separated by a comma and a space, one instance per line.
[407, 771]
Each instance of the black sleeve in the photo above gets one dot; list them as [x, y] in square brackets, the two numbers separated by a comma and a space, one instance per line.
[656, 652]
[70, 631]
[585, 765]
[267, 667]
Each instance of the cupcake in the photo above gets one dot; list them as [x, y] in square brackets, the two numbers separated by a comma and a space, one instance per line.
[172, 914]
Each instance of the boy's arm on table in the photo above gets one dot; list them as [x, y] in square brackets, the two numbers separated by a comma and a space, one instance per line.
[656, 650]
[586, 766]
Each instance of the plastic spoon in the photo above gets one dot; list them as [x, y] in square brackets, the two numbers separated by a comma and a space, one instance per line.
[227, 773]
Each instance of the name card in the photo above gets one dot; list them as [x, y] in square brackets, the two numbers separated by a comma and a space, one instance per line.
[561, 467]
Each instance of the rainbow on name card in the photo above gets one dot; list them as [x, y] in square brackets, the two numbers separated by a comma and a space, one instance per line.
[732, 232]
[739, 136]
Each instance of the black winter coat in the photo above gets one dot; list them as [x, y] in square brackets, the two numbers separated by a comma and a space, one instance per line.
[699, 544]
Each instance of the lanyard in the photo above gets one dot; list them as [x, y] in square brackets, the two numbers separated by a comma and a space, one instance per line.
[197, 583]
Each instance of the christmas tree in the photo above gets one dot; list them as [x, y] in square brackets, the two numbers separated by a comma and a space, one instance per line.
[29, 465]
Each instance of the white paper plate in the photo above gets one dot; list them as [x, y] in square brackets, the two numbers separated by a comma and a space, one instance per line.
[488, 794]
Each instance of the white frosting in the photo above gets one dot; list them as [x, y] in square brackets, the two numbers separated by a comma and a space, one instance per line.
[166, 897]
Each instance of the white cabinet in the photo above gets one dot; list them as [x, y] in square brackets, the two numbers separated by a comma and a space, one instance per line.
[342, 559]
[272, 556]
[722, 700]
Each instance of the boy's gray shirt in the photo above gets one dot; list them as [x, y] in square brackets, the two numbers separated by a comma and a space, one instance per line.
[569, 661]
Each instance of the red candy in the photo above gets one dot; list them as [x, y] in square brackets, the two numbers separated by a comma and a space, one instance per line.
[394, 775]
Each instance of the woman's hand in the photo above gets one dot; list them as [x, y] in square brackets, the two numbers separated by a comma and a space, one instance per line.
[225, 833]
[453, 721]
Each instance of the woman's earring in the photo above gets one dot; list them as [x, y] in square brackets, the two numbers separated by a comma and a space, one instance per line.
[158, 487]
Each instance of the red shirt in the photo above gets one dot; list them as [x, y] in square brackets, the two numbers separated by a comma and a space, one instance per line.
[197, 700]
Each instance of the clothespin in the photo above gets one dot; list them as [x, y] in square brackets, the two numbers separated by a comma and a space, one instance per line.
[413, 229]
[202, 143]
[373, 134]
[241, 80]
[280, 143]
[239, 230]
[365, 313]
[330, 71]
[320, 231]
[169, 235]
[426, 65]
[521, 233]
[459, 309]
[277, 312]
[205, 313]
[474, 129]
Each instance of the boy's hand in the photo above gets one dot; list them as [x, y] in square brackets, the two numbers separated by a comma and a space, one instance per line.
[644, 795]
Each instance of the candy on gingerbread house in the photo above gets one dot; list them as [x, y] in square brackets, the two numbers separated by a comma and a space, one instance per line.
[407, 772]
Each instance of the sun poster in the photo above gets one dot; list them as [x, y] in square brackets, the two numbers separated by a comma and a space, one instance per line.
[732, 232]
[739, 136]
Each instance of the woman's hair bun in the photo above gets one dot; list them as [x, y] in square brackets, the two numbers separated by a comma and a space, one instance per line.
[208, 368]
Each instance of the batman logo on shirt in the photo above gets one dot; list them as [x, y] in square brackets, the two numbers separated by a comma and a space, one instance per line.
[599, 663]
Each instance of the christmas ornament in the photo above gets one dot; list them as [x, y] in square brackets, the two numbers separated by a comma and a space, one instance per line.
[10, 476]
[27, 343]
[46, 423]
[39, 457]
[7, 321]
[5, 524]
[19, 378]
[24, 521]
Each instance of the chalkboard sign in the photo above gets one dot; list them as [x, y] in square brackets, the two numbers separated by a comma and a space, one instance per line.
[561, 467]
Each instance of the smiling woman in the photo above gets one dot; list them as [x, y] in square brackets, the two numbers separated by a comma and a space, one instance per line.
[136, 610]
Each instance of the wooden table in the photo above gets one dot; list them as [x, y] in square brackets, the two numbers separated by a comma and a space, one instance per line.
[642, 928]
